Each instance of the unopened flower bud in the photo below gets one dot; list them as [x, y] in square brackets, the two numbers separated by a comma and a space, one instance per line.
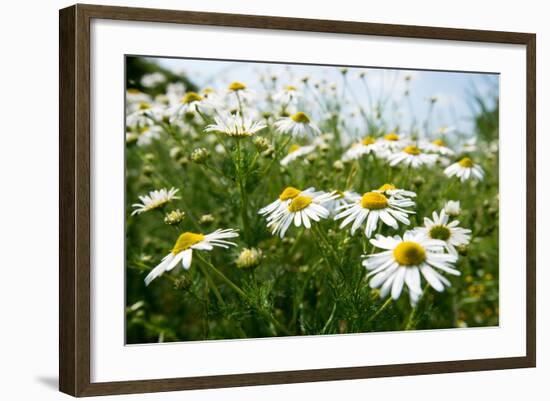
[261, 143]
[199, 155]
[338, 165]
[249, 258]
[268, 152]
[206, 219]
[174, 217]
[452, 208]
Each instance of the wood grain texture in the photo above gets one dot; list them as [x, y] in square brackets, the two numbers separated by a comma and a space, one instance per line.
[67, 265]
[74, 198]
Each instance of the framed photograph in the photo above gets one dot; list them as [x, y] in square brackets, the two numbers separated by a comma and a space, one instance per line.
[250, 200]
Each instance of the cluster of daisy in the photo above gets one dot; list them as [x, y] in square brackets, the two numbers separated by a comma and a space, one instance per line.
[237, 112]
[225, 112]
[401, 150]
[423, 249]
[186, 242]
[428, 250]
[230, 112]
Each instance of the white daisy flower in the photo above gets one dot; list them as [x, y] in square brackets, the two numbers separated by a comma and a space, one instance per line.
[235, 125]
[241, 91]
[392, 142]
[341, 199]
[189, 103]
[139, 114]
[440, 228]
[175, 91]
[443, 161]
[295, 152]
[393, 191]
[401, 262]
[147, 134]
[374, 206]
[183, 250]
[211, 99]
[464, 169]
[364, 147]
[153, 79]
[437, 146]
[298, 125]
[288, 95]
[284, 200]
[412, 156]
[154, 200]
[134, 96]
[470, 145]
[452, 208]
[301, 210]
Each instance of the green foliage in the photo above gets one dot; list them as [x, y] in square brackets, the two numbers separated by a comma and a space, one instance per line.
[310, 282]
[137, 67]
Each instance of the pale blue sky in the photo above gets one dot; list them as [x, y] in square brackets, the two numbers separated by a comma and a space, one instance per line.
[453, 89]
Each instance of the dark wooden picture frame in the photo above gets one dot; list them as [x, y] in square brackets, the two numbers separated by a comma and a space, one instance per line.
[74, 203]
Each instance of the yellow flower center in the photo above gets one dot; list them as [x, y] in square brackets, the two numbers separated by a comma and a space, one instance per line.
[368, 140]
[374, 200]
[186, 241]
[387, 187]
[439, 142]
[207, 91]
[409, 253]
[144, 106]
[299, 203]
[191, 97]
[133, 91]
[237, 86]
[392, 136]
[293, 148]
[412, 150]
[466, 163]
[300, 117]
[290, 88]
[289, 193]
[440, 232]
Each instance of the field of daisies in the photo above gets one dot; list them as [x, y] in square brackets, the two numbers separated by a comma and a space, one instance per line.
[287, 205]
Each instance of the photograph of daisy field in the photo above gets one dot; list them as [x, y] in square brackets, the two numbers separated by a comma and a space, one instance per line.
[270, 199]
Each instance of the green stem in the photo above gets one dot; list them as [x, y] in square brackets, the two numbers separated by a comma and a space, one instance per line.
[325, 240]
[352, 172]
[277, 156]
[240, 103]
[411, 321]
[382, 308]
[242, 191]
[296, 240]
[205, 119]
[224, 277]
[330, 318]
[211, 284]
[216, 171]
[331, 258]
[241, 293]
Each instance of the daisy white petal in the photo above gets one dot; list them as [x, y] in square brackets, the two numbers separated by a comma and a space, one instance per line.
[155, 199]
[183, 250]
[465, 169]
[403, 260]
